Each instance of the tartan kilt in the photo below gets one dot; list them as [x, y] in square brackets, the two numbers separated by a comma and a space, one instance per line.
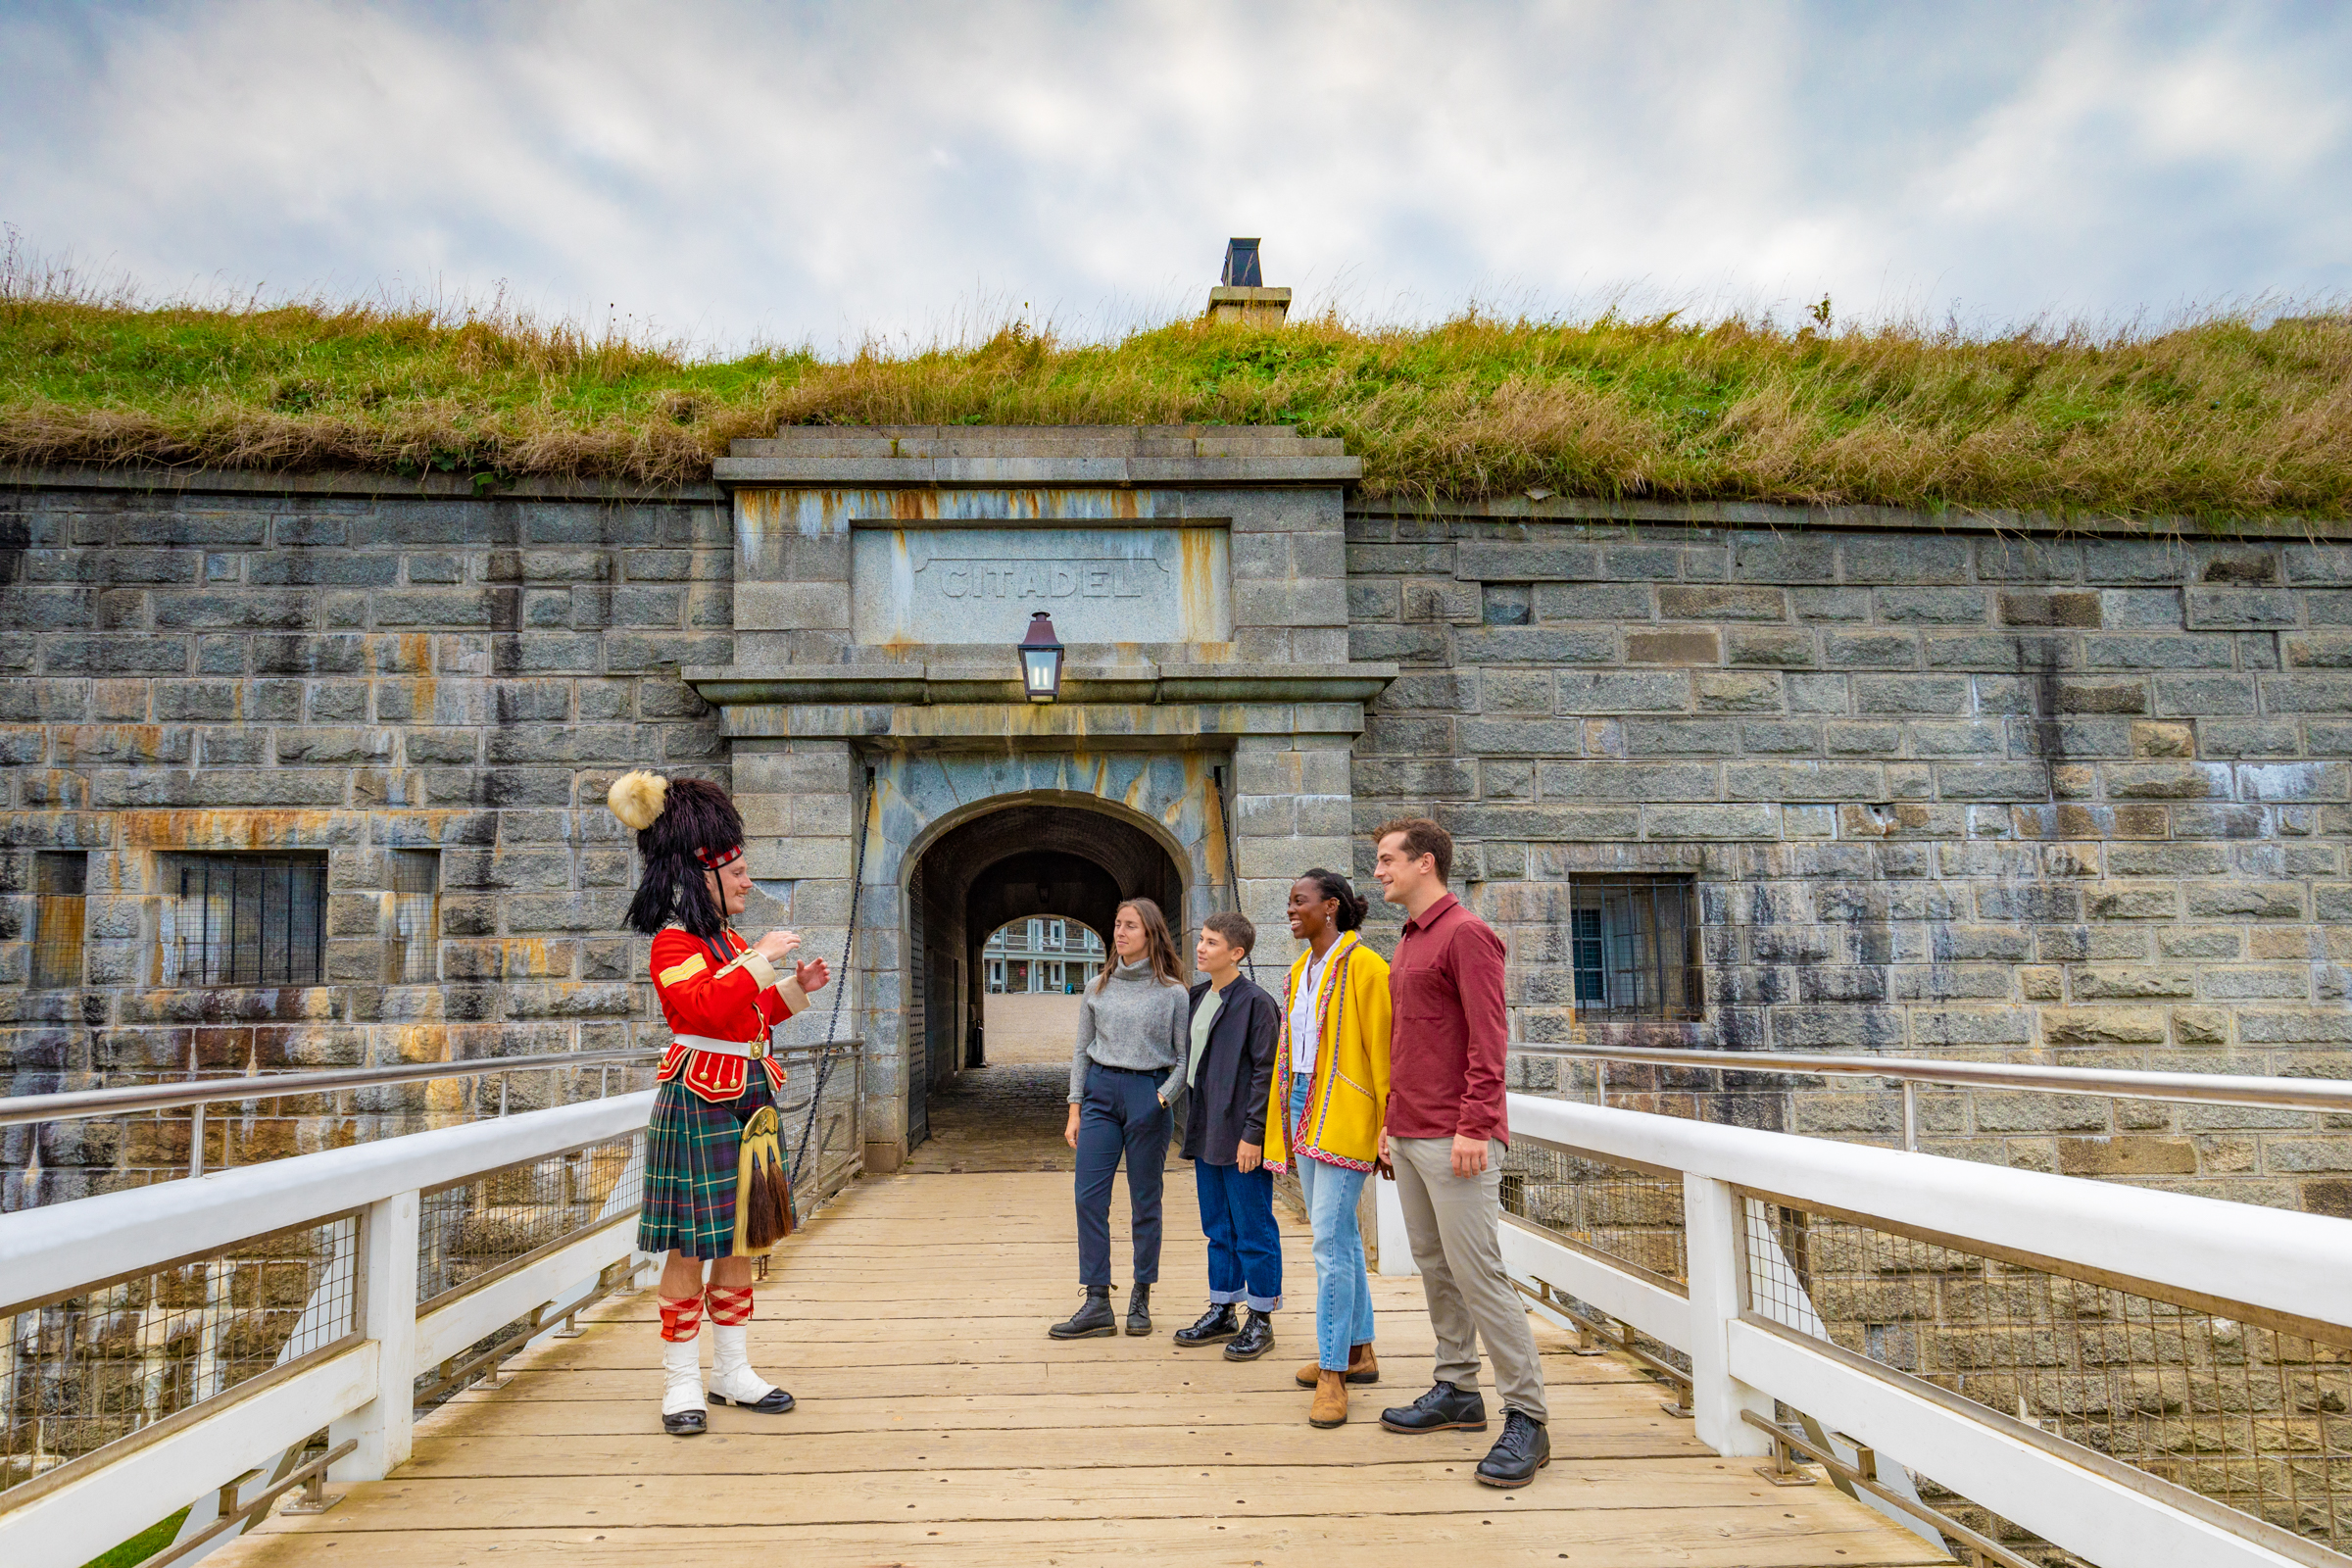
[693, 1150]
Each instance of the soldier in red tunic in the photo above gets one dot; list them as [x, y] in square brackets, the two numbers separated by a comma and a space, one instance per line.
[714, 1098]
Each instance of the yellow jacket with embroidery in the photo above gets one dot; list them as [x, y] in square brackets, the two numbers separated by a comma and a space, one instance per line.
[1349, 1095]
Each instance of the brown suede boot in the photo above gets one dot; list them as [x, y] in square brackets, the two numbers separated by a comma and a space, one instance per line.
[1362, 1367]
[1331, 1400]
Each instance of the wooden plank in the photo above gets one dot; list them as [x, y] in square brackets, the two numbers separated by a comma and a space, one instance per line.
[1664, 1536]
[1180, 1409]
[764, 1447]
[940, 1427]
[1403, 1379]
[1135, 1493]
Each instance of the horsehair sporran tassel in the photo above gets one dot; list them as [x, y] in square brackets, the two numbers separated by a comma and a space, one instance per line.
[763, 1185]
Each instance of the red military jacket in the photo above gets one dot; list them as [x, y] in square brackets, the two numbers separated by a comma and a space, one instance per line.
[738, 1000]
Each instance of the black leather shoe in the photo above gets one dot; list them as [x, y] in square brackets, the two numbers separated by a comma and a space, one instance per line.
[775, 1401]
[1091, 1321]
[1524, 1448]
[685, 1424]
[1443, 1408]
[1138, 1310]
[1255, 1339]
[1217, 1323]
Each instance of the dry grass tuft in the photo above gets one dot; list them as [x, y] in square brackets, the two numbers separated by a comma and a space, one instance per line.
[2212, 418]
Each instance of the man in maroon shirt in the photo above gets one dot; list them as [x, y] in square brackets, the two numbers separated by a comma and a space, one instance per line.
[1445, 1136]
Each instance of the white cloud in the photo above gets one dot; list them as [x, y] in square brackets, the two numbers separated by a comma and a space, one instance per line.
[829, 172]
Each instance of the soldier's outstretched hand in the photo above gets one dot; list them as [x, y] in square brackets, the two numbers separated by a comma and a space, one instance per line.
[813, 976]
[777, 945]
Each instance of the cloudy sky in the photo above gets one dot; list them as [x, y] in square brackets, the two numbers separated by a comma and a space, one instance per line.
[732, 173]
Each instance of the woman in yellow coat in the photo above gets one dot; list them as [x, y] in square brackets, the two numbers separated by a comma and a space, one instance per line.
[1330, 1096]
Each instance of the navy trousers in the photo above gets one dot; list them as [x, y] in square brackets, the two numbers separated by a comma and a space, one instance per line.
[1245, 1250]
[1122, 1113]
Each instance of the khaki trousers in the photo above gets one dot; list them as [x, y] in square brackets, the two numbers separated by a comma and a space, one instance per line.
[1455, 1224]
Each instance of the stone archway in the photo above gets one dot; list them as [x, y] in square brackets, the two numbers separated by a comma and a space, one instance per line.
[961, 842]
[1069, 862]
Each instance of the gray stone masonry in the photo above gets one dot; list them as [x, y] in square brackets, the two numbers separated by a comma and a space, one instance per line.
[347, 673]
[2071, 800]
[1944, 792]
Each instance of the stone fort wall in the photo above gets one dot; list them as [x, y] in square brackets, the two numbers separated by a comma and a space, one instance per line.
[314, 668]
[1941, 790]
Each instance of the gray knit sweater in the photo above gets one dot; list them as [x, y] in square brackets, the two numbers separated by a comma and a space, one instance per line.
[1134, 1022]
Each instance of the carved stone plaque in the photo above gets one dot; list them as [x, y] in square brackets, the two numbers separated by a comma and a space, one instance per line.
[1101, 585]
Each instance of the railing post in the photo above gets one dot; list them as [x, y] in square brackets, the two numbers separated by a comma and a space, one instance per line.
[1712, 1233]
[383, 1427]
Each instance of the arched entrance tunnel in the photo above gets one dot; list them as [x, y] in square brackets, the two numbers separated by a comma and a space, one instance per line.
[1065, 862]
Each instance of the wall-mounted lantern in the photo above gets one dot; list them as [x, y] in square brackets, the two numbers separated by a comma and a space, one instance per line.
[1040, 660]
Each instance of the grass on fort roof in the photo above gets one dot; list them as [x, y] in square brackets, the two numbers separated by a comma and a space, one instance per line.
[2223, 414]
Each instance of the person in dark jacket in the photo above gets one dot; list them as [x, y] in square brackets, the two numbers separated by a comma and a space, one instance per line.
[1236, 1027]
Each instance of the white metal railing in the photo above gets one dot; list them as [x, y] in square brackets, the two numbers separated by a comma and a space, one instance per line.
[1746, 1351]
[195, 1094]
[1911, 1072]
[359, 1383]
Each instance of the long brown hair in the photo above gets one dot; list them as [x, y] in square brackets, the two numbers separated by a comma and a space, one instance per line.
[1159, 946]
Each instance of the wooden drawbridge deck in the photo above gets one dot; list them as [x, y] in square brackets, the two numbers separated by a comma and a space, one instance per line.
[939, 1427]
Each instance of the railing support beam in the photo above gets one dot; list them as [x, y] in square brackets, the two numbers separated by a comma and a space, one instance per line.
[1711, 1217]
[383, 1428]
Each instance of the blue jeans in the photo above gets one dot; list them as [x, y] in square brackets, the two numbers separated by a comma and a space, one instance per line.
[1245, 1250]
[1343, 1288]
[1120, 1114]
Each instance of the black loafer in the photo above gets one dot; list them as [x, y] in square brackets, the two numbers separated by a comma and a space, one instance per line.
[1217, 1323]
[685, 1424]
[1524, 1448]
[1443, 1408]
[1255, 1339]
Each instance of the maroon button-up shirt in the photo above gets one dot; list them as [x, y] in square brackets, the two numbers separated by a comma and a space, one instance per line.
[1448, 1032]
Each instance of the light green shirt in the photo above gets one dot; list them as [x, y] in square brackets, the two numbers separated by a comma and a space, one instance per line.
[1204, 1017]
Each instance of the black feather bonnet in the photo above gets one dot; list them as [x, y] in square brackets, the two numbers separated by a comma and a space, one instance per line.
[685, 827]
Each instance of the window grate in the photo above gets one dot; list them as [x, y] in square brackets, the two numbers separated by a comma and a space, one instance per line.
[413, 954]
[1634, 947]
[59, 883]
[246, 920]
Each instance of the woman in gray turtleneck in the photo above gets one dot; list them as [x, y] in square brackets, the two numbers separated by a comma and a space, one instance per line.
[1134, 1027]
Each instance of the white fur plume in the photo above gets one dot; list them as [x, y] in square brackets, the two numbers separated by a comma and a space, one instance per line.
[637, 798]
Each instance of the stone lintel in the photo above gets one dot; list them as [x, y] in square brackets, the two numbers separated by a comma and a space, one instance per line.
[767, 472]
[1043, 726]
[943, 684]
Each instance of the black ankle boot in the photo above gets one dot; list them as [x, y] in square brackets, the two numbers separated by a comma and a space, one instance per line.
[1255, 1339]
[1091, 1321]
[1217, 1323]
[1138, 1310]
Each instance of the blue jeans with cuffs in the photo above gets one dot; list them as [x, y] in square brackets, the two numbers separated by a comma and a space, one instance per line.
[1342, 1287]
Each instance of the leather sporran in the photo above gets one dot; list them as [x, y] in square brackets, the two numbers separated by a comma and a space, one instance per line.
[762, 1185]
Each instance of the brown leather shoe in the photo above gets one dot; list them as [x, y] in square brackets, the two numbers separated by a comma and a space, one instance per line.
[1331, 1400]
[1362, 1367]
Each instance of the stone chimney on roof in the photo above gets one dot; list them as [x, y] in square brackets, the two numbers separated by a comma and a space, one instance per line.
[1243, 296]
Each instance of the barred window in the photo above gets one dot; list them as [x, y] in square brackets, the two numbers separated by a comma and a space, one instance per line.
[60, 880]
[413, 956]
[245, 920]
[1634, 947]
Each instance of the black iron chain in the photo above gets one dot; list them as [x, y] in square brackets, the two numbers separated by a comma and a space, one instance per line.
[841, 992]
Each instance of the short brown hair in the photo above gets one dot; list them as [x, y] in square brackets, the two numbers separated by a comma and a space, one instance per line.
[1234, 927]
[1421, 837]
